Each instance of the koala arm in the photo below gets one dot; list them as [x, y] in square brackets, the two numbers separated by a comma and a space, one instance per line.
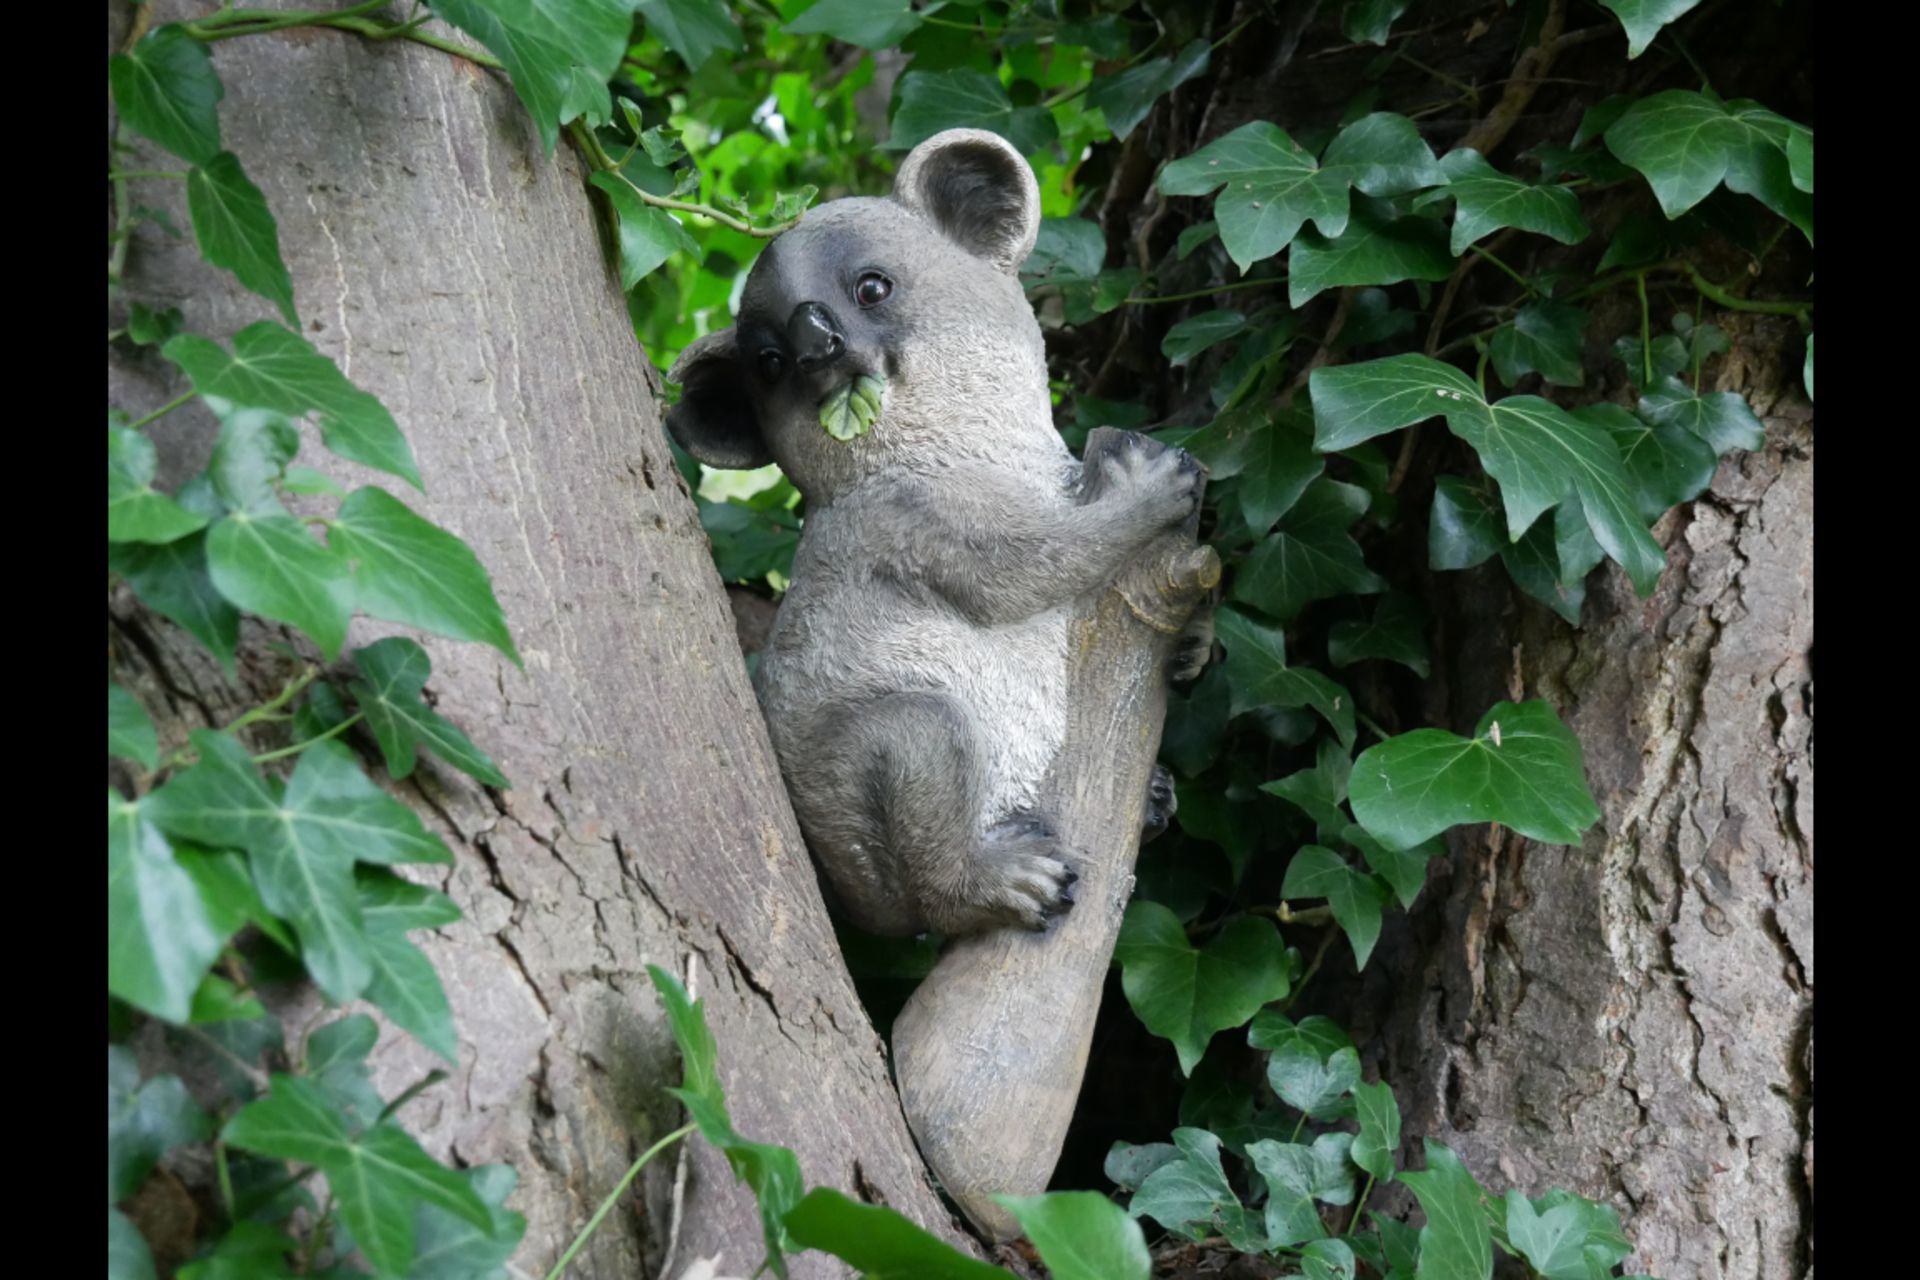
[1001, 553]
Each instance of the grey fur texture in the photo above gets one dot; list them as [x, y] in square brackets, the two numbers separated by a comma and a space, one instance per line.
[915, 681]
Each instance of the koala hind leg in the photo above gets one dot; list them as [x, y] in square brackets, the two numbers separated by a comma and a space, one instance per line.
[893, 799]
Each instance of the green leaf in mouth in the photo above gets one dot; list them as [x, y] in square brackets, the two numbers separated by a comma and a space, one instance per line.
[853, 409]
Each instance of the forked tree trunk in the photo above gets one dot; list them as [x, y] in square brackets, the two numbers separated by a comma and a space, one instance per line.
[1634, 1018]
[454, 271]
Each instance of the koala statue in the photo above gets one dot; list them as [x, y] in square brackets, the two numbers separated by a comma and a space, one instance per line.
[915, 680]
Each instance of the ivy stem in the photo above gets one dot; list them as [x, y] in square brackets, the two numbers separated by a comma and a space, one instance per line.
[1360, 1204]
[1298, 1126]
[597, 157]
[163, 410]
[225, 1176]
[1204, 293]
[1305, 915]
[1785, 307]
[412, 1091]
[121, 175]
[279, 700]
[1646, 331]
[253, 22]
[316, 1236]
[606, 1206]
[1519, 279]
[266, 757]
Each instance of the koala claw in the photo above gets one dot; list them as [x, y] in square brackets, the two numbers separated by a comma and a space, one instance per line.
[1024, 881]
[1162, 804]
[1164, 483]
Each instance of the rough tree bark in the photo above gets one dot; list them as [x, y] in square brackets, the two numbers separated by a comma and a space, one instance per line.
[1634, 1018]
[450, 268]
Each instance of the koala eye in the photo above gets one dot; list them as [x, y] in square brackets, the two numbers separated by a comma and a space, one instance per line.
[872, 289]
[772, 365]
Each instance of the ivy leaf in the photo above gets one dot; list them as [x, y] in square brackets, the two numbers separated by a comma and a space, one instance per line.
[390, 904]
[1310, 556]
[1723, 419]
[1397, 633]
[269, 566]
[1379, 1137]
[1534, 565]
[1186, 995]
[1194, 236]
[159, 939]
[1578, 554]
[130, 733]
[870, 24]
[236, 230]
[1546, 338]
[1536, 450]
[1368, 21]
[1522, 769]
[1552, 1242]
[1290, 1171]
[1800, 158]
[1456, 1243]
[128, 1257]
[1319, 791]
[248, 1251]
[879, 1242]
[408, 570]
[648, 236]
[173, 580]
[1273, 187]
[1082, 1235]
[1307, 1082]
[392, 674]
[135, 512]
[377, 1177]
[303, 842]
[1403, 869]
[1806, 374]
[1195, 334]
[448, 1247]
[1127, 1166]
[1191, 1196]
[144, 1121]
[149, 328]
[1259, 675]
[1644, 18]
[1464, 527]
[1126, 97]
[274, 368]
[1669, 464]
[773, 1173]
[748, 544]
[1486, 200]
[559, 59]
[1383, 154]
[1271, 453]
[406, 988]
[1376, 248]
[694, 29]
[1277, 1033]
[1355, 898]
[931, 101]
[1327, 1260]
[1665, 356]
[1687, 143]
[167, 91]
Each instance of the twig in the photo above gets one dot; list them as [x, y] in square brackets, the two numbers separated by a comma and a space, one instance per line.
[680, 1165]
[1527, 75]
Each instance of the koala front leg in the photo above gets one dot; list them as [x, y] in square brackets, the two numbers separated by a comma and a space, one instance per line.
[890, 794]
[1001, 553]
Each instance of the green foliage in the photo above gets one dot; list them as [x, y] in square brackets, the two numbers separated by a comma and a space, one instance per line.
[708, 127]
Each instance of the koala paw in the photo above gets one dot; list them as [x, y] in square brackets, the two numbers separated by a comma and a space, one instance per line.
[1164, 483]
[1161, 804]
[1193, 650]
[1022, 880]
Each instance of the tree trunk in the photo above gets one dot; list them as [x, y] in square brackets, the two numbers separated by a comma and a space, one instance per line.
[458, 274]
[1634, 1018]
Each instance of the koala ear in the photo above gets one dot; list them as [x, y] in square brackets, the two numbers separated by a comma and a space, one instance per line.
[978, 190]
[714, 420]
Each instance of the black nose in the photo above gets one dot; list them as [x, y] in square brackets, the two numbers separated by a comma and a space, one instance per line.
[815, 337]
